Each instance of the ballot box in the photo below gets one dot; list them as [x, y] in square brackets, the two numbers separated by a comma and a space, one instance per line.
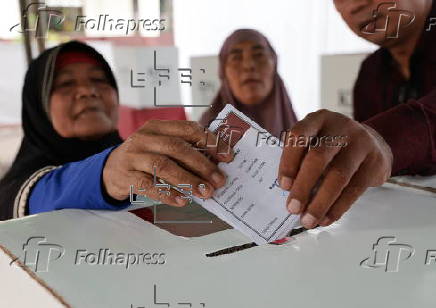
[382, 253]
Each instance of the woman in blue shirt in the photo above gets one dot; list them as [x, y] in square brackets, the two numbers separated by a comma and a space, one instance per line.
[71, 155]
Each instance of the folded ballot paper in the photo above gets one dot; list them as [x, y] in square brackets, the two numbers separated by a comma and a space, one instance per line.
[252, 200]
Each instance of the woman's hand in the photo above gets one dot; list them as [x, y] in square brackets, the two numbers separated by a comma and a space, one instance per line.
[166, 149]
[327, 179]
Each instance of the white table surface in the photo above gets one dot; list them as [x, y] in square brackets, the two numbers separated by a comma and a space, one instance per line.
[318, 268]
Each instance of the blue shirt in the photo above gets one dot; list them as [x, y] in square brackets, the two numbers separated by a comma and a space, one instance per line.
[77, 185]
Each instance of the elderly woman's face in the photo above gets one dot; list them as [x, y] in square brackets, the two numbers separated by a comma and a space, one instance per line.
[83, 104]
[249, 69]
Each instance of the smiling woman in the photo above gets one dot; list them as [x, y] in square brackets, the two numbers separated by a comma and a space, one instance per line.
[53, 135]
[71, 155]
[83, 103]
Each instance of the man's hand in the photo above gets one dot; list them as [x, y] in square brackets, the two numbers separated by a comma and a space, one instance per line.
[165, 148]
[325, 180]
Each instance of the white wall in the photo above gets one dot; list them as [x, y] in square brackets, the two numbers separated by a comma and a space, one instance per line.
[300, 31]
[13, 68]
[10, 16]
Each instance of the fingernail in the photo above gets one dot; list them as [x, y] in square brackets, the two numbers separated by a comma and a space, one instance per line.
[205, 190]
[227, 157]
[218, 178]
[181, 201]
[308, 221]
[286, 183]
[294, 206]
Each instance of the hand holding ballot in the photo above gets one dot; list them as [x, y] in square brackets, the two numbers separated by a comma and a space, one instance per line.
[165, 150]
[261, 185]
[338, 174]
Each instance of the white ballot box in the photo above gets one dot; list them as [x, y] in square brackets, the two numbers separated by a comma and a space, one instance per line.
[382, 253]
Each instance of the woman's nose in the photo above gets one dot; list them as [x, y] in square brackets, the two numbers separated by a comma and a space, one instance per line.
[248, 63]
[86, 89]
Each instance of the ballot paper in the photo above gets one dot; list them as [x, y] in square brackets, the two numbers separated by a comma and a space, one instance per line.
[252, 200]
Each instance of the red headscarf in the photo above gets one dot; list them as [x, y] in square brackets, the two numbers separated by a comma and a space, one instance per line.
[69, 57]
[275, 113]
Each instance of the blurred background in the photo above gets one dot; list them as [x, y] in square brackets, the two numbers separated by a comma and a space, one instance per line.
[319, 56]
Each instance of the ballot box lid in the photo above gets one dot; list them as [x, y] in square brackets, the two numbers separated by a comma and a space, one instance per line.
[382, 253]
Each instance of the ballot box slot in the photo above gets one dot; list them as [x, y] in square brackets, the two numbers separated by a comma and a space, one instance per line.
[238, 248]
[230, 250]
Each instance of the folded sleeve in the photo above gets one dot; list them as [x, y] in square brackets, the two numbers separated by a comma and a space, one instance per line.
[75, 185]
[410, 130]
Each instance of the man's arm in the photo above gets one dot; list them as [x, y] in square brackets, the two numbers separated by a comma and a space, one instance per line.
[402, 138]
[410, 131]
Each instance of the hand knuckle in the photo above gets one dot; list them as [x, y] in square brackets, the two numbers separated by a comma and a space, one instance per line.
[133, 142]
[312, 115]
[324, 113]
[146, 125]
[319, 154]
[297, 131]
[193, 128]
[341, 175]
[348, 122]
[161, 164]
[130, 142]
[142, 184]
[175, 145]
[363, 135]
